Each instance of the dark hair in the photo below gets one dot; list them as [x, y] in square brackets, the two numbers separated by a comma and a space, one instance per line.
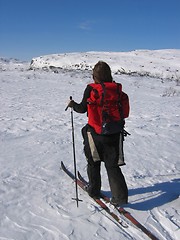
[102, 72]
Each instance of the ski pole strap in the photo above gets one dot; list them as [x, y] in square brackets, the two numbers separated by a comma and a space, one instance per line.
[125, 133]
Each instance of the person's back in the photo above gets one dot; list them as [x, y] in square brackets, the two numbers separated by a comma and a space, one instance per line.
[107, 107]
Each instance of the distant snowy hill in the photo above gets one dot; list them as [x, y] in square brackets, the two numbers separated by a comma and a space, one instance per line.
[11, 64]
[162, 64]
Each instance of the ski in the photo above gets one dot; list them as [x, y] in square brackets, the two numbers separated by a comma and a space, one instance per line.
[125, 213]
[82, 185]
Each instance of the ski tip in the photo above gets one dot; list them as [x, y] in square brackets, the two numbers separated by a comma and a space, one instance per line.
[62, 165]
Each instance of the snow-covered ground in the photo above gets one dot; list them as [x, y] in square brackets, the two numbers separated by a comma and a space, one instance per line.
[35, 136]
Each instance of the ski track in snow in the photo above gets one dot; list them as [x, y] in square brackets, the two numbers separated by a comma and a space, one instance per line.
[35, 135]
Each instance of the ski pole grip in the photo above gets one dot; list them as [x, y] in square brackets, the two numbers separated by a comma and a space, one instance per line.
[67, 106]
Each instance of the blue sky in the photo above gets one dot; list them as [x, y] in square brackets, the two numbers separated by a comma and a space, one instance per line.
[31, 28]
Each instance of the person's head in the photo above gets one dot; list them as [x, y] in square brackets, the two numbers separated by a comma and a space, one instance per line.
[102, 72]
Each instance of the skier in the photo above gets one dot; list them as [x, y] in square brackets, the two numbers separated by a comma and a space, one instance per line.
[99, 146]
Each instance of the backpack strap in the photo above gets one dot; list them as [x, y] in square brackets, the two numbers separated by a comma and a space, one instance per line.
[119, 102]
[103, 93]
[104, 113]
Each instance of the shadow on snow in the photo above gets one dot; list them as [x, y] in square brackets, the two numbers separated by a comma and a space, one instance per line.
[159, 194]
[154, 196]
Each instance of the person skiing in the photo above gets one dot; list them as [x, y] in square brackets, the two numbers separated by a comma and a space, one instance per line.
[103, 136]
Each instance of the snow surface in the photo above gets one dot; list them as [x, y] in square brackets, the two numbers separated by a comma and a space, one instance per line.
[35, 134]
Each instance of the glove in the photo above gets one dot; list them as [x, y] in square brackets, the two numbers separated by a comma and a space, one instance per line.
[70, 104]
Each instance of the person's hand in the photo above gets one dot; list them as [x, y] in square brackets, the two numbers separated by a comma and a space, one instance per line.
[70, 103]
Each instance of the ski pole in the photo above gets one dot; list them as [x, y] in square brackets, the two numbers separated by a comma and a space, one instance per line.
[74, 156]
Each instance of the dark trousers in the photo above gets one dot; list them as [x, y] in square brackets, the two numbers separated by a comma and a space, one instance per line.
[99, 148]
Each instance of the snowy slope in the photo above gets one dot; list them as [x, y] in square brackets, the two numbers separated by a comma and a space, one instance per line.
[157, 63]
[35, 135]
